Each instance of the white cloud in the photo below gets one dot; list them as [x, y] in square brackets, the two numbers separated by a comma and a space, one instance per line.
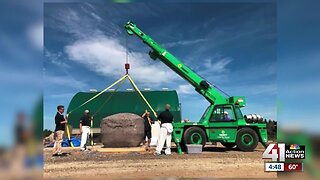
[55, 58]
[60, 96]
[209, 22]
[106, 56]
[215, 69]
[218, 66]
[186, 89]
[65, 81]
[83, 23]
[264, 89]
[20, 76]
[68, 80]
[185, 42]
[250, 89]
[94, 15]
[35, 35]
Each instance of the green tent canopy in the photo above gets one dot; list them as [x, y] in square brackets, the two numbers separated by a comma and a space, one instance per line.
[121, 102]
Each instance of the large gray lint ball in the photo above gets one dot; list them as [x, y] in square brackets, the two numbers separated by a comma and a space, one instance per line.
[122, 130]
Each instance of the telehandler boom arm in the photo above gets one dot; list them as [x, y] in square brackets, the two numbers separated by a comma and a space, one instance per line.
[201, 85]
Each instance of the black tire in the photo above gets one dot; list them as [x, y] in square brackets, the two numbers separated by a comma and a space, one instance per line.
[194, 135]
[228, 145]
[247, 139]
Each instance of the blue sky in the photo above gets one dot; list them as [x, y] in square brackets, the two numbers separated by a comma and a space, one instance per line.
[298, 65]
[21, 45]
[232, 45]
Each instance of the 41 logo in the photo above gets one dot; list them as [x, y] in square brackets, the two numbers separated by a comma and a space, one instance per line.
[275, 152]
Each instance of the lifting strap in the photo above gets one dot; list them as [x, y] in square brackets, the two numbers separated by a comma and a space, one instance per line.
[67, 127]
[121, 80]
[111, 95]
[68, 133]
[139, 92]
[107, 100]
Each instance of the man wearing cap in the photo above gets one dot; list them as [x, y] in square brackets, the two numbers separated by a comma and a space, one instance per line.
[85, 122]
[166, 119]
[225, 116]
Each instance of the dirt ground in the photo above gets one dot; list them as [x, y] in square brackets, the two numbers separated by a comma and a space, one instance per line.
[214, 162]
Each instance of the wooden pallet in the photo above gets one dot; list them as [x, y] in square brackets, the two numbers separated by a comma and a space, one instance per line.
[121, 150]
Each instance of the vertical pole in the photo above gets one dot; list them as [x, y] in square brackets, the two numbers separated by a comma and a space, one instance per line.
[127, 65]
[91, 132]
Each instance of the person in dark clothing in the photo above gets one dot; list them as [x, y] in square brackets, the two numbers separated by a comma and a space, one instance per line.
[85, 122]
[60, 122]
[225, 116]
[166, 116]
[147, 126]
[166, 119]
[20, 129]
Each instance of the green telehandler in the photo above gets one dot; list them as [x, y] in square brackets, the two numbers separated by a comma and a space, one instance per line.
[222, 121]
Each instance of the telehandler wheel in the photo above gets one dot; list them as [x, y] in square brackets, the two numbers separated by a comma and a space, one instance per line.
[228, 145]
[194, 135]
[247, 139]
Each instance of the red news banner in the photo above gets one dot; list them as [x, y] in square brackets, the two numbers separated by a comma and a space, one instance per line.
[293, 167]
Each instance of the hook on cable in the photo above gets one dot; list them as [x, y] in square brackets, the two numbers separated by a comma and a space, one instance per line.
[127, 67]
